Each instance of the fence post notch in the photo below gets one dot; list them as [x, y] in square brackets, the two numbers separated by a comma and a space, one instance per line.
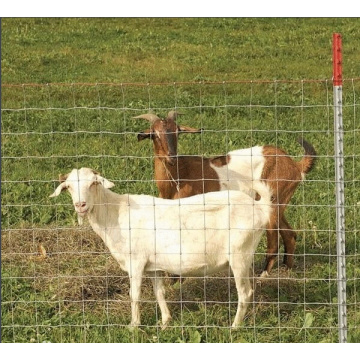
[339, 184]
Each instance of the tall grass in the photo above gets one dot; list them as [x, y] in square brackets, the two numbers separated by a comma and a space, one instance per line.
[76, 292]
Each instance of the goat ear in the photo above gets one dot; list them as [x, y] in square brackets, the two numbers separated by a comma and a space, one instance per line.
[108, 184]
[59, 189]
[144, 135]
[189, 130]
[172, 115]
[105, 182]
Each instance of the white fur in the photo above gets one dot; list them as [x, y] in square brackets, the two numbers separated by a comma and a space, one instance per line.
[194, 236]
[245, 166]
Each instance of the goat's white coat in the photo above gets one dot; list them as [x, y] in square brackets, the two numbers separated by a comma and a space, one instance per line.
[194, 236]
[249, 161]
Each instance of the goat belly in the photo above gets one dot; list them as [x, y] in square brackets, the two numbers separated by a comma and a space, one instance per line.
[187, 265]
[189, 252]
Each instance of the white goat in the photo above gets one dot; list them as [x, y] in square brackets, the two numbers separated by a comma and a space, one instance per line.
[194, 236]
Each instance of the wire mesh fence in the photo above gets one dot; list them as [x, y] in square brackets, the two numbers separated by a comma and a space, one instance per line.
[59, 281]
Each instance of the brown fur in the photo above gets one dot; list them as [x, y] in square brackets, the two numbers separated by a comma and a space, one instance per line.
[186, 177]
[220, 160]
[283, 175]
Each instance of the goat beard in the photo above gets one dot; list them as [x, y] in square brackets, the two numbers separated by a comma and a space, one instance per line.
[80, 219]
[81, 216]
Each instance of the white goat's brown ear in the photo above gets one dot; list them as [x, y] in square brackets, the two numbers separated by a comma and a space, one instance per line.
[189, 130]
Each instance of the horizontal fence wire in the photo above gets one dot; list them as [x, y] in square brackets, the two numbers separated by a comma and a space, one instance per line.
[61, 284]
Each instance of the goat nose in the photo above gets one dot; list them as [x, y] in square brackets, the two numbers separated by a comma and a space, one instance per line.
[80, 204]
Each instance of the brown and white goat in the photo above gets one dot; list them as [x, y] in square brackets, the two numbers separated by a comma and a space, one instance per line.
[182, 176]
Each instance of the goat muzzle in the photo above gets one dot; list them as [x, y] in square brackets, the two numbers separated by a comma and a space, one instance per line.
[81, 208]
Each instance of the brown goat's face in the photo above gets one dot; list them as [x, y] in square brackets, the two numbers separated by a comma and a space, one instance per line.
[164, 133]
[167, 133]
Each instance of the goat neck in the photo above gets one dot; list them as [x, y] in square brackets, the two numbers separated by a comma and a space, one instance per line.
[104, 214]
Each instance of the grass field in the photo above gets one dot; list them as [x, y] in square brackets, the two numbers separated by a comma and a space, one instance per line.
[86, 79]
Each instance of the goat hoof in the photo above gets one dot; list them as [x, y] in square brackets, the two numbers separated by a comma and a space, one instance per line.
[165, 324]
[286, 267]
[236, 326]
[133, 326]
[263, 276]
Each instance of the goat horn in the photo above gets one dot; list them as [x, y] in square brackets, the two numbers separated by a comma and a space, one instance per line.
[149, 117]
[173, 115]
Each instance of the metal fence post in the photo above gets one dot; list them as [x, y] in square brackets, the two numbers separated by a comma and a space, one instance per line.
[339, 183]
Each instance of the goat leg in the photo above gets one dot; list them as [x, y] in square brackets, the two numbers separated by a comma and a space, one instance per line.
[272, 235]
[135, 292]
[159, 290]
[289, 238]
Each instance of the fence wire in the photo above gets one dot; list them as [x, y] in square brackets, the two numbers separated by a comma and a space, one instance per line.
[59, 281]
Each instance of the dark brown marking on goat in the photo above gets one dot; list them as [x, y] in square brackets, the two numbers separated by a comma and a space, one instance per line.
[308, 160]
[220, 161]
[170, 137]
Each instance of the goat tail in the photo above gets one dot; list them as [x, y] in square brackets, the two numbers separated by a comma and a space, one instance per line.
[308, 161]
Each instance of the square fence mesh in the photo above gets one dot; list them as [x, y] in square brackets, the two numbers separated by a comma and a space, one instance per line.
[60, 282]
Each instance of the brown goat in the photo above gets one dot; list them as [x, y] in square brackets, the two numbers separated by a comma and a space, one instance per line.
[182, 176]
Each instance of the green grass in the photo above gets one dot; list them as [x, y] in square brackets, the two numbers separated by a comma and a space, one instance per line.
[159, 50]
[77, 292]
